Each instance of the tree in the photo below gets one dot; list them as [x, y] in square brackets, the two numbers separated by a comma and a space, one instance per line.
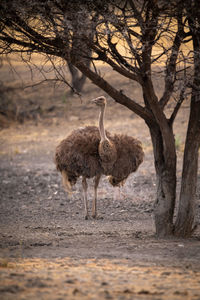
[186, 214]
[132, 37]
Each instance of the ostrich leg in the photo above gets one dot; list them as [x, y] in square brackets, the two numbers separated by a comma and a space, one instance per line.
[85, 186]
[94, 203]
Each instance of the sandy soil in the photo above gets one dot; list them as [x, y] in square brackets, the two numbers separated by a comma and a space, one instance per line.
[48, 250]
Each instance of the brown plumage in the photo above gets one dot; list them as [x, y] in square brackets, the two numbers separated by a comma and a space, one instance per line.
[77, 155]
[108, 155]
[91, 151]
[129, 156]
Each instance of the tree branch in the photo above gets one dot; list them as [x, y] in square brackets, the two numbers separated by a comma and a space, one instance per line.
[177, 107]
[114, 93]
[171, 65]
[119, 69]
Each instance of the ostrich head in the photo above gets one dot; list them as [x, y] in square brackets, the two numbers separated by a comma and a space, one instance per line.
[100, 101]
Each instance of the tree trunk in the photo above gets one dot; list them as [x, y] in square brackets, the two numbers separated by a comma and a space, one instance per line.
[184, 225]
[185, 219]
[165, 162]
[166, 185]
[77, 79]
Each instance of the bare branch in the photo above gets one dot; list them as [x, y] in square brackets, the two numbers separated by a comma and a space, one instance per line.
[115, 94]
[103, 57]
[172, 63]
[177, 107]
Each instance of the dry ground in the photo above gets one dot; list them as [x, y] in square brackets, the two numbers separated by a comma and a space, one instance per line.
[47, 249]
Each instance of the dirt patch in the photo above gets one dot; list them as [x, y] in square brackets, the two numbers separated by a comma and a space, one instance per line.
[48, 250]
[97, 279]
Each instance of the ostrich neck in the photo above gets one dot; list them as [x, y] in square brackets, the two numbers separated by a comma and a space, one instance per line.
[101, 125]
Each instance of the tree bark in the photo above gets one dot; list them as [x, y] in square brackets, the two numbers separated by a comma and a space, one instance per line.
[166, 185]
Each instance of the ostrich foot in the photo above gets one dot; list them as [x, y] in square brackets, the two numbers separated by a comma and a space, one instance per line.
[97, 217]
[94, 215]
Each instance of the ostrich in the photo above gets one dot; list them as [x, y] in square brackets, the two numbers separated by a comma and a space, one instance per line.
[92, 151]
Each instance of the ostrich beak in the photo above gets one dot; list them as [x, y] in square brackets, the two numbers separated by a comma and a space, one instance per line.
[93, 100]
